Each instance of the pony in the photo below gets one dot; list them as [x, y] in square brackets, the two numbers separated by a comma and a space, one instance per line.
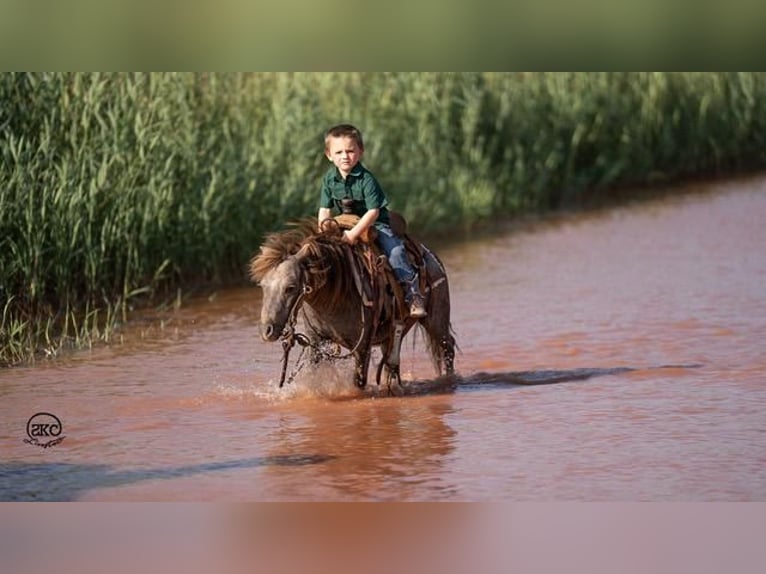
[348, 298]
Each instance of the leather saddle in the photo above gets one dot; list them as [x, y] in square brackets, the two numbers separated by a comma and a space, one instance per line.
[377, 266]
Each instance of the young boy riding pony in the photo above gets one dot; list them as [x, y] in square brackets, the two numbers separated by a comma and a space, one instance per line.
[349, 187]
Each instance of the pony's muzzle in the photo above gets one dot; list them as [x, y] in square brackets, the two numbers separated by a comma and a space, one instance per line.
[268, 332]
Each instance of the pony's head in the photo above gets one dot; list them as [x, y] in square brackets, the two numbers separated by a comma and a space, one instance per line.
[294, 266]
[284, 287]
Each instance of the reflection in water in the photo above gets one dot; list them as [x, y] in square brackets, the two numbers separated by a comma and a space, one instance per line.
[383, 449]
[656, 311]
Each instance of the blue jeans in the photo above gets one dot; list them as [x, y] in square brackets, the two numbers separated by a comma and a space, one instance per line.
[394, 249]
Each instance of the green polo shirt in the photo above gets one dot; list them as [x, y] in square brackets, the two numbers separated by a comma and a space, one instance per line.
[361, 186]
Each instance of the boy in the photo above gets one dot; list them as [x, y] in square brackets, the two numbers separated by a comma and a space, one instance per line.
[351, 188]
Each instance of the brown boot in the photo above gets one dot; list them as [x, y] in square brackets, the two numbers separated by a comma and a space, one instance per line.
[415, 300]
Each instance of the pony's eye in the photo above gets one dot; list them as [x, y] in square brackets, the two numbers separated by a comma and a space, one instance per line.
[290, 288]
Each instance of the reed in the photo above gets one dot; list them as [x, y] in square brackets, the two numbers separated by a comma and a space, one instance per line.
[116, 190]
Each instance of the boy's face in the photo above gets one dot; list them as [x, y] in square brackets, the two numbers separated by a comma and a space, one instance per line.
[344, 152]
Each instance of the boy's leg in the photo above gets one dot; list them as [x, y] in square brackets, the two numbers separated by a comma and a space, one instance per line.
[394, 249]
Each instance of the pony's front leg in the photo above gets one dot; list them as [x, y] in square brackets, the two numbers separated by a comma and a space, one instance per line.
[361, 366]
[394, 379]
[315, 352]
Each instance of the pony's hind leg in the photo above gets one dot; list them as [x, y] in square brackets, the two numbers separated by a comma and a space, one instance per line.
[441, 347]
[390, 362]
[448, 354]
[440, 339]
[393, 377]
[394, 380]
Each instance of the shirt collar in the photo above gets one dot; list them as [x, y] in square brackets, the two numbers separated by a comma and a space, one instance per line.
[356, 172]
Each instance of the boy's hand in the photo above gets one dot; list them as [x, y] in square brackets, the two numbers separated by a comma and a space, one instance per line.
[349, 238]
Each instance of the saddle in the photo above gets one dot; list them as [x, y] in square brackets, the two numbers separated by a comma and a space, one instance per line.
[377, 274]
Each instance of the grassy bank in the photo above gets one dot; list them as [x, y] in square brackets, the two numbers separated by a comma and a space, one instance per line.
[118, 189]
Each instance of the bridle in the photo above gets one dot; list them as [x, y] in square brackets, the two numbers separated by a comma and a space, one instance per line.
[289, 336]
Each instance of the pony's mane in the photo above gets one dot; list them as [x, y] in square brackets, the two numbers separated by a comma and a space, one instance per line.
[324, 250]
[278, 246]
[326, 256]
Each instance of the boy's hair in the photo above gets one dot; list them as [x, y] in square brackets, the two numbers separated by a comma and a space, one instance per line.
[344, 130]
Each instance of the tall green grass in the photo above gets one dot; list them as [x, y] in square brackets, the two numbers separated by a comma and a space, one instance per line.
[117, 189]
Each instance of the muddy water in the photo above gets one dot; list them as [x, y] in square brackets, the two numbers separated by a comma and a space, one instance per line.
[616, 355]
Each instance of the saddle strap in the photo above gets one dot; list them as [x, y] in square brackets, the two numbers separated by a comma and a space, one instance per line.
[362, 286]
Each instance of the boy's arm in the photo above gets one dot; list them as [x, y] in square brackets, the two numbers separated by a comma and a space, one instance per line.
[352, 235]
